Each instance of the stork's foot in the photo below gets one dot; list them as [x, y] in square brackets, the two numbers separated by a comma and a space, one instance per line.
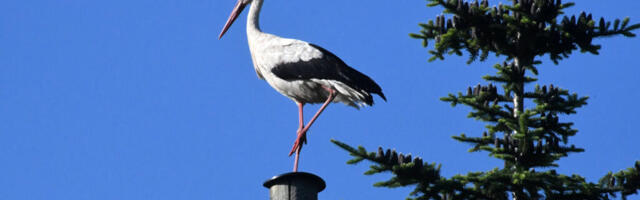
[300, 141]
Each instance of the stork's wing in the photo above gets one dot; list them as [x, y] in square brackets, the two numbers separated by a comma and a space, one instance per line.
[325, 65]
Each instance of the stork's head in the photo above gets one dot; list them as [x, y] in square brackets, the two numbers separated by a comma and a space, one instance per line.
[234, 14]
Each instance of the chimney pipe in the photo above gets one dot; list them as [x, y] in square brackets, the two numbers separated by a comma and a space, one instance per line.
[295, 186]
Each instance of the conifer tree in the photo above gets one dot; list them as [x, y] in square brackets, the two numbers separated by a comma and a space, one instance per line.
[528, 138]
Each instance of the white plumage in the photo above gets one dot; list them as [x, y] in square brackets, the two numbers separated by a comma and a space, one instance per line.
[303, 72]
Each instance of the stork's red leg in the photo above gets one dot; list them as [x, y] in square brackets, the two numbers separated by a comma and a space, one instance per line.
[298, 144]
[301, 119]
[301, 116]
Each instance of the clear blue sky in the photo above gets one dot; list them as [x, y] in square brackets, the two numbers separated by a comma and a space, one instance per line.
[139, 100]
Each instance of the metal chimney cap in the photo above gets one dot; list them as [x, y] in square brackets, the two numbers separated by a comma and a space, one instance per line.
[296, 176]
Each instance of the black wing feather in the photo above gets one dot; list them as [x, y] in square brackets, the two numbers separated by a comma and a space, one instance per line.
[329, 67]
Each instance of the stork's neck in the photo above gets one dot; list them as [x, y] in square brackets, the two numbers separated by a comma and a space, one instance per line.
[253, 20]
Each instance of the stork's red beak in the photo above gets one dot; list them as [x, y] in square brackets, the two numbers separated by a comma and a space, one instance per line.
[234, 14]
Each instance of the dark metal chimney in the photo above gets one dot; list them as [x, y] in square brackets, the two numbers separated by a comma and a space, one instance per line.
[295, 186]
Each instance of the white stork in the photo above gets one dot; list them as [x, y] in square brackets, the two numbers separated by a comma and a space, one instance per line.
[304, 72]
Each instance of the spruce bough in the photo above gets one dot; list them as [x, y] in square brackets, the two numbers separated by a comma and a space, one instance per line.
[526, 138]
